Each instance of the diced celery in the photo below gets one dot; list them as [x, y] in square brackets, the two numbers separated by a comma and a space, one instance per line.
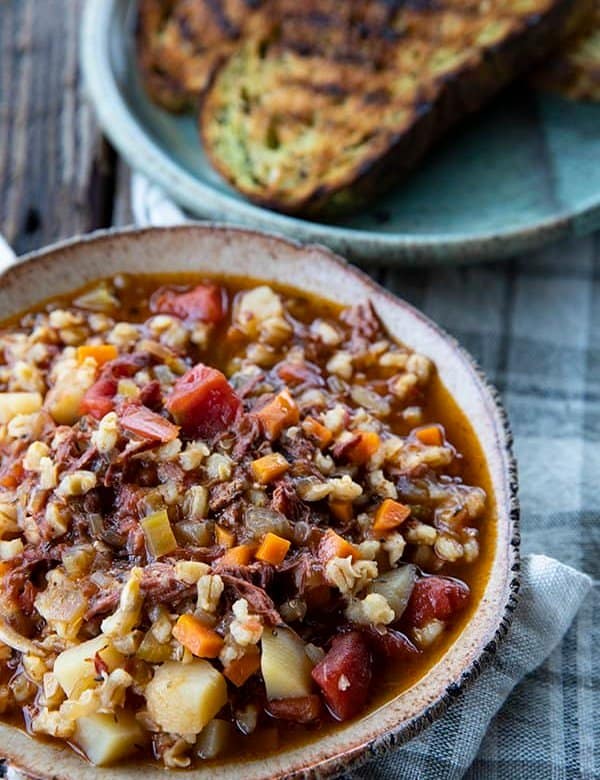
[160, 539]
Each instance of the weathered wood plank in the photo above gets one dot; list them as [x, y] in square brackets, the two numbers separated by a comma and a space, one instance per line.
[122, 213]
[57, 176]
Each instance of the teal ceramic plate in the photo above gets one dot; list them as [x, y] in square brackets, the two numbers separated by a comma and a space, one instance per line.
[524, 172]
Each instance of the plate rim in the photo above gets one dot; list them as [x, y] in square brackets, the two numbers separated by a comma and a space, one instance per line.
[140, 150]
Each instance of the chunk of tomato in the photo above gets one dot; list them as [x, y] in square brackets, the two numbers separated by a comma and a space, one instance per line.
[344, 675]
[99, 399]
[435, 598]
[205, 302]
[389, 643]
[149, 425]
[203, 402]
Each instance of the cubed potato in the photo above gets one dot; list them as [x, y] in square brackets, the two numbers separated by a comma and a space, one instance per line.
[10, 549]
[108, 738]
[63, 401]
[285, 667]
[396, 586]
[183, 698]
[12, 404]
[77, 663]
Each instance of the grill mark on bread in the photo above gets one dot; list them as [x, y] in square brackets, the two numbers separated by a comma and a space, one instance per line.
[404, 83]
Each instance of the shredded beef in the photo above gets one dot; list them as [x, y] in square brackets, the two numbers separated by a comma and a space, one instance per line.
[257, 573]
[299, 375]
[67, 452]
[286, 500]
[364, 324]
[102, 603]
[247, 435]
[86, 460]
[224, 493]
[231, 516]
[127, 365]
[340, 450]
[202, 554]
[258, 601]
[151, 396]
[129, 497]
[135, 447]
[249, 386]
[301, 574]
[300, 452]
[160, 585]
[19, 583]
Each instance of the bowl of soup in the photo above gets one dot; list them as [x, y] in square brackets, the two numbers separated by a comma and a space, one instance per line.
[257, 515]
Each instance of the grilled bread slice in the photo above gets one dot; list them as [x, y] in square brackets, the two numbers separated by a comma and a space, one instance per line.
[326, 104]
[574, 71]
[180, 42]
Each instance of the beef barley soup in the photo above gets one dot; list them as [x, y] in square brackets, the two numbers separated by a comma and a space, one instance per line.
[231, 516]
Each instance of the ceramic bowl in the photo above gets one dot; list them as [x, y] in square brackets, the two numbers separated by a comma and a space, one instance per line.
[212, 249]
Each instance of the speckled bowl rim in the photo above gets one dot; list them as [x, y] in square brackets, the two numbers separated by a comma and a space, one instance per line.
[143, 154]
[381, 744]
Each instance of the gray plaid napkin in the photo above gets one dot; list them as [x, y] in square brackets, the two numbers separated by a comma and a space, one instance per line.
[533, 324]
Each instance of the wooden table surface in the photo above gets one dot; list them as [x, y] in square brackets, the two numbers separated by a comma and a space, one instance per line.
[58, 177]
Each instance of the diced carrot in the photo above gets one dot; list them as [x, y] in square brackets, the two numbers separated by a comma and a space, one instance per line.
[364, 448]
[390, 514]
[269, 467]
[430, 435]
[199, 639]
[278, 414]
[5, 567]
[12, 474]
[243, 668]
[238, 556]
[102, 353]
[332, 545]
[341, 510]
[272, 549]
[224, 537]
[317, 431]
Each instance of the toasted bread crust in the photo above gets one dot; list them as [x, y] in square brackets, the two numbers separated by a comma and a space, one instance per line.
[574, 71]
[181, 42]
[323, 108]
